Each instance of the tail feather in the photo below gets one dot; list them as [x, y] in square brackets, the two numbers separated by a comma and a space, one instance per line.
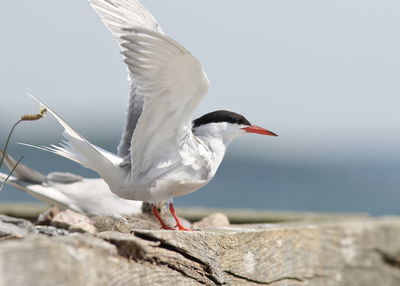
[78, 149]
[61, 151]
[67, 150]
[44, 193]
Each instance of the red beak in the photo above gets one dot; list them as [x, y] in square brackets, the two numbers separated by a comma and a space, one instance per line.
[258, 130]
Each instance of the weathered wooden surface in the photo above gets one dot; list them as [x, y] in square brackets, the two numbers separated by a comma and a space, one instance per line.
[353, 252]
[30, 211]
[241, 216]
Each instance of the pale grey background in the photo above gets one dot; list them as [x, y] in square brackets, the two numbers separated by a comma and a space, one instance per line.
[324, 75]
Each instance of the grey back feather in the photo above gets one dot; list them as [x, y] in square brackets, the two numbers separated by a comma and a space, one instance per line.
[23, 172]
[63, 178]
[135, 107]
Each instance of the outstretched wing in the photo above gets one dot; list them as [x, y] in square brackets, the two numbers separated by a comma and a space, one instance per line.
[118, 15]
[172, 83]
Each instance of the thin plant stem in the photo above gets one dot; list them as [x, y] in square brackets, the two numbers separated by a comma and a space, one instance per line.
[26, 117]
[12, 171]
[8, 140]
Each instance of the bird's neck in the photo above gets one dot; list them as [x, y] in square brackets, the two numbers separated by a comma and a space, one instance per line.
[215, 142]
[216, 147]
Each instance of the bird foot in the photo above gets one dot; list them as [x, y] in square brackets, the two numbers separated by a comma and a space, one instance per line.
[167, 227]
[160, 220]
[181, 227]
[164, 225]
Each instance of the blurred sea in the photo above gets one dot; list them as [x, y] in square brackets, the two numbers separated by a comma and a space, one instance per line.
[248, 182]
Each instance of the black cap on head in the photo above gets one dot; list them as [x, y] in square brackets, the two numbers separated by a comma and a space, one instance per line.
[221, 116]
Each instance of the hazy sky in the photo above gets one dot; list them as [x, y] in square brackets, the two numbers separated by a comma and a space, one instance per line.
[324, 75]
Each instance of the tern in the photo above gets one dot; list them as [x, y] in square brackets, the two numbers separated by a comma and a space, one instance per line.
[69, 191]
[163, 153]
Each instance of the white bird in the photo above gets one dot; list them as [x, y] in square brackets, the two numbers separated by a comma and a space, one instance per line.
[162, 152]
[66, 190]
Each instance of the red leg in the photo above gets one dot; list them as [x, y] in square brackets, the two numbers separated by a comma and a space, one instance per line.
[158, 217]
[178, 222]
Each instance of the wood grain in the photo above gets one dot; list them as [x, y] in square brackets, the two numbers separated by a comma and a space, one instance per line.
[362, 251]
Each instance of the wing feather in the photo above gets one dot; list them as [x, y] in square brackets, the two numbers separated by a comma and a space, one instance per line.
[173, 83]
[121, 14]
[118, 15]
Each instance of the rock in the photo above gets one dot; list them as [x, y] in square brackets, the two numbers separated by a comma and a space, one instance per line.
[83, 226]
[15, 227]
[73, 222]
[50, 230]
[67, 218]
[47, 216]
[212, 220]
